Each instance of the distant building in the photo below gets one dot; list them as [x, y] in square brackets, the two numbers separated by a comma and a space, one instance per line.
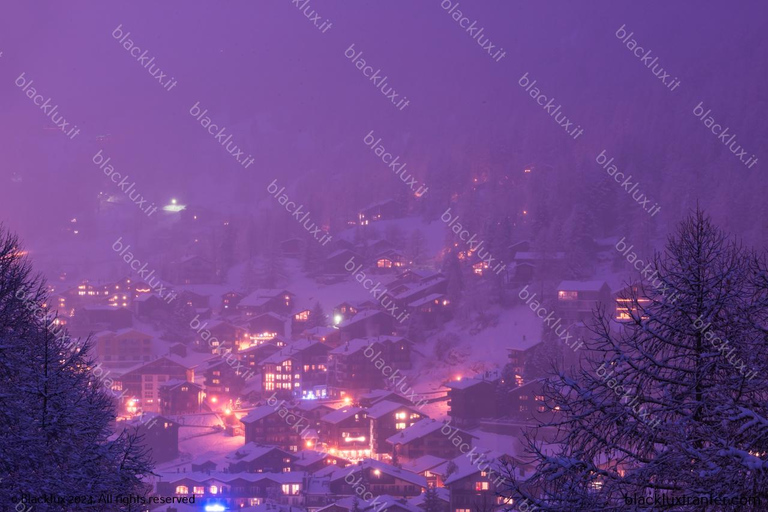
[576, 300]
[180, 397]
[346, 432]
[142, 383]
[471, 399]
[255, 458]
[123, 348]
[427, 438]
[160, 435]
[192, 270]
[388, 418]
[264, 425]
[266, 300]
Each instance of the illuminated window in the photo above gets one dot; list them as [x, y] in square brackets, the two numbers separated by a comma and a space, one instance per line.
[400, 415]
[539, 398]
[214, 489]
[400, 426]
[384, 263]
[198, 490]
[565, 295]
[182, 489]
[481, 486]
[290, 489]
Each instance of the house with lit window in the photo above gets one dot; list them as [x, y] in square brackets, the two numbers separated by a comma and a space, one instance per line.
[254, 356]
[256, 458]
[470, 399]
[160, 435]
[349, 369]
[265, 300]
[412, 286]
[630, 303]
[346, 432]
[381, 478]
[123, 348]
[389, 261]
[386, 419]
[281, 374]
[222, 334]
[180, 397]
[142, 383]
[192, 269]
[388, 209]
[311, 461]
[426, 437]
[265, 425]
[233, 491]
[375, 396]
[577, 299]
[426, 467]
[474, 483]
[526, 403]
[266, 325]
[230, 300]
[369, 322]
[223, 380]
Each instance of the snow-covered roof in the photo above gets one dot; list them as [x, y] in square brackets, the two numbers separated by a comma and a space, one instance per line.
[251, 451]
[426, 300]
[340, 414]
[385, 407]
[418, 430]
[258, 413]
[423, 463]
[388, 469]
[465, 383]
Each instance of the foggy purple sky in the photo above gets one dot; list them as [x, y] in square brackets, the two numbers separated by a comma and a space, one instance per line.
[289, 96]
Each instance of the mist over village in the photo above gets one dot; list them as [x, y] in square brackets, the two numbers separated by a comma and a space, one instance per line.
[293, 256]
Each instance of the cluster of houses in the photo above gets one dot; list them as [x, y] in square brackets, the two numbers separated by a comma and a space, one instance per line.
[315, 416]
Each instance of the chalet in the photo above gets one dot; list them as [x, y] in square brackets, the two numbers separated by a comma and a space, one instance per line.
[142, 382]
[387, 419]
[265, 425]
[180, 397]
[311, 461]
[379, 395]
[313, 411]
[123, 348]
[160, 435]
[222, 380]
[367, 323]
[427, 438]
[266, 300]
[519, 273]
[151, 306]
[350, 369]
[390, 260]
[298, 366]
[471, 399]
[255, 458]
[380, 479]
[267, 325]
[327, 335]
[253, 356]
[344, 311]
[425, 466]
[222, 334]
[102, 318]
[336, 262]
[233, 491]
[195, 300]
[475, 483]
[544, 263]
[230, 300]
[527, 403]
[346, 432]
[577, 299]
[192, 270]
[434, 309]
[388, 209]
[406, 291]
[630, 304]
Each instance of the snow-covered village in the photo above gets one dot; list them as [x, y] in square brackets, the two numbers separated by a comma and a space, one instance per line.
[421, 289]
